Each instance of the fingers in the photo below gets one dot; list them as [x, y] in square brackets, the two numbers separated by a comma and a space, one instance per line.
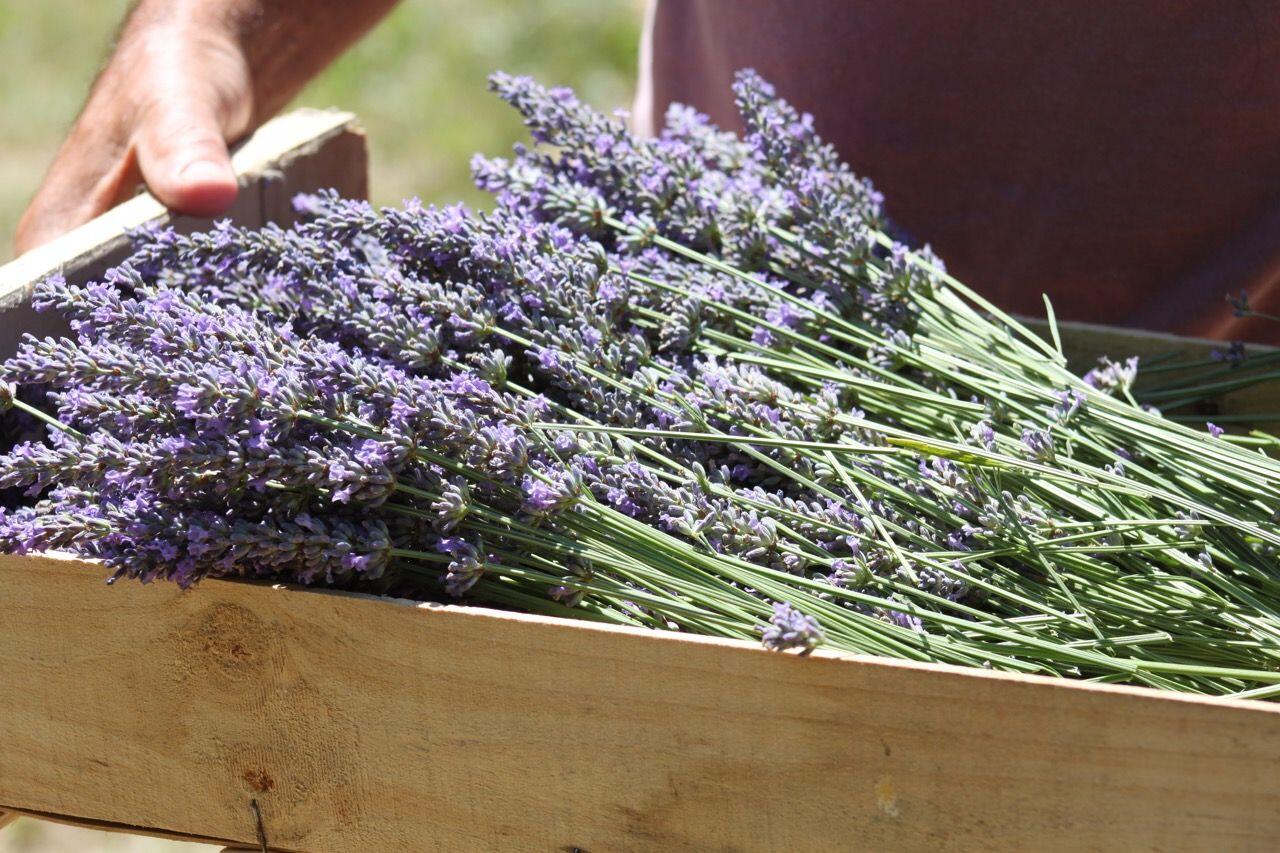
[160, 114]
[177, 148]
[183, 157]
[40, 223]
[86, 179]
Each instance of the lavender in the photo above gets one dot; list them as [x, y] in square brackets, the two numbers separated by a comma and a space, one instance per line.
[1234, 355]
[466, 564]
[1038, 445]
[790, 629]
[689, 383]
[1111, 376]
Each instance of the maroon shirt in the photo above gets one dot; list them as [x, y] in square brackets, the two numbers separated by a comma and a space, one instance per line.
[1122, 157]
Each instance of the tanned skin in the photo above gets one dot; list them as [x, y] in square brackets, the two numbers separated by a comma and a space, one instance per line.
[187, 78]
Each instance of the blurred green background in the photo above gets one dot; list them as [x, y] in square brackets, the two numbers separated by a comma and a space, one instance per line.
[417, 83]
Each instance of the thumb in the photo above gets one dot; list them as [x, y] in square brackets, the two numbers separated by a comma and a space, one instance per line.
[183, 157]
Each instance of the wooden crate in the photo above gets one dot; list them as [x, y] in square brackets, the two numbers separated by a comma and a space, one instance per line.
[350, 722]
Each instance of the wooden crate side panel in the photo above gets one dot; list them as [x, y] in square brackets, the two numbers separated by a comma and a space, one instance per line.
[361, 724]
[1082, 343]
[302, 151]
[339, 162]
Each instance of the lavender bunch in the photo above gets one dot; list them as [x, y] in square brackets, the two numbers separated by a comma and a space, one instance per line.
[687, 383]
[914, 337]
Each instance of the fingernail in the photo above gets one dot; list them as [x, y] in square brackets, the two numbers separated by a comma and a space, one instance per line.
[203, 171]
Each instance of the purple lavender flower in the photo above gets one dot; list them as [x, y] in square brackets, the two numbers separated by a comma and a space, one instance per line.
[1069, 402]
[452, 506]
[906, 620]
[1110, 376]
[1234, 355]
[788, 628]
[1038, 445]
[984, 434]
[546, 494]
[466, 567]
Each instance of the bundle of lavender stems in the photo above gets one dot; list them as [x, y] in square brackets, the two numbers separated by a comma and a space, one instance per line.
[685, 383]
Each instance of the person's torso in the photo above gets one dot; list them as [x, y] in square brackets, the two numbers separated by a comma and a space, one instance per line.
[1122, 157]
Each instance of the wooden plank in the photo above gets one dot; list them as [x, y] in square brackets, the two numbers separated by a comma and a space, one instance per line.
[373, 724]
[339, 162]
[7, 818]
[1083, 343]
[304, 150]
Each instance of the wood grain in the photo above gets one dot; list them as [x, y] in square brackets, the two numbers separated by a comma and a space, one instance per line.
[304, 150]
[373, 724]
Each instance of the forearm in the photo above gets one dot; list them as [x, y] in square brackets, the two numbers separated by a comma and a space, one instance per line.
[283, 44]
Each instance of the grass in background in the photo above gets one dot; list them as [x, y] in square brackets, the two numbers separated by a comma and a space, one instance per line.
[417, 83]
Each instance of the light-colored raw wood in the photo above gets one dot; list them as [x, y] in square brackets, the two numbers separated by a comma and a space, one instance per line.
[7, 818]
[304, 150]
[372, 724]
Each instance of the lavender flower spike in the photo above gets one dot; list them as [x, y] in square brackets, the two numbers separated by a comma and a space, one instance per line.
[788, 628]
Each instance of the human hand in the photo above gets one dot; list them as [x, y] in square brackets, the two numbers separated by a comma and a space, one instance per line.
[174, 93]
[187, 77]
